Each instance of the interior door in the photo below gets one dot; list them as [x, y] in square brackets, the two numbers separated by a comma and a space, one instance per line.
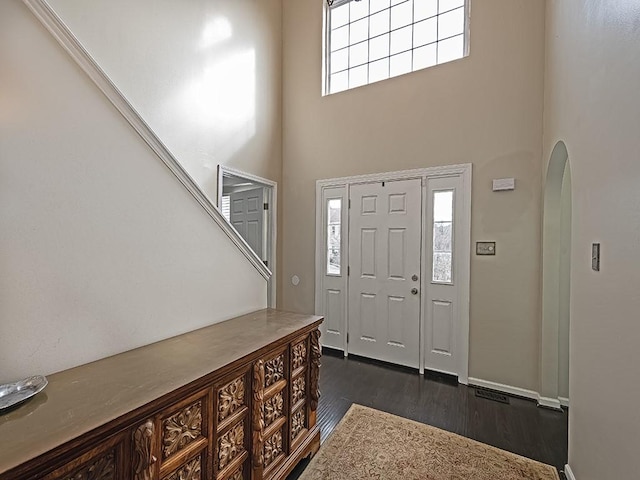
[246, 215]
[384, 284]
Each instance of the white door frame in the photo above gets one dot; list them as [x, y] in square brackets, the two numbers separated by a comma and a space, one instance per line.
[271, 190]
[463, 239]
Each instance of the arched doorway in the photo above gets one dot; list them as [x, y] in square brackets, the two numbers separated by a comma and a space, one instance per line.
[556, 281]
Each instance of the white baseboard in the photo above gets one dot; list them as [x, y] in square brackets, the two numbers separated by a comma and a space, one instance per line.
[517, 391]
[546, 402]
[569, 473]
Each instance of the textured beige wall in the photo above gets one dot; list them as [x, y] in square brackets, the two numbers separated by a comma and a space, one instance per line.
[485, 109]
[592, 104]
[206, 76]
[101, 248]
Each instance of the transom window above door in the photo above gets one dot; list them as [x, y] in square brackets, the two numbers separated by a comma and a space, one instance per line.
[371, 40]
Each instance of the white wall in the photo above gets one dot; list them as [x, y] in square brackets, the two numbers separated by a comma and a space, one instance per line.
[485, 109]
[565, 284]
[205, 76]
[592, 104]
[101, 248]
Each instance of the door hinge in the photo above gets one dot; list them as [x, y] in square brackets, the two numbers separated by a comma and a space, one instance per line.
[348, 271]
[347, 337]
[349, 203]
[265, 206]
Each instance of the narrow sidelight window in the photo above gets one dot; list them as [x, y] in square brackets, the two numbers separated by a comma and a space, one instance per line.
[334, 212]
[442, 236]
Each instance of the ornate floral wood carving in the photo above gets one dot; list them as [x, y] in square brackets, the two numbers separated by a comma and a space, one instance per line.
[101, 469]
[190, 471]
[230, 445]
[297, 423]
[143, 458]
[237, 475]
[230, 398]
[274, 370]
[272, 448]
[315, 354]
[297, 389]
[182, 428]
[257, 419]
[299, 353]
[273, 409]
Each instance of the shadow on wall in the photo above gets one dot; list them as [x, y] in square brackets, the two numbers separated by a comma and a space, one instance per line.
[556, 283]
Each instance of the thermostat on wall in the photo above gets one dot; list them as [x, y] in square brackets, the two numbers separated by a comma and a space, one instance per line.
[485, 248]
[501, 184]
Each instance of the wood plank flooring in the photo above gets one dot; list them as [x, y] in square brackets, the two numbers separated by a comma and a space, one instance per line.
[520, 427]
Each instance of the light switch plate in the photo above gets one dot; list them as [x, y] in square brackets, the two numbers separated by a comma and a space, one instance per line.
[485, 248]
[595, 257]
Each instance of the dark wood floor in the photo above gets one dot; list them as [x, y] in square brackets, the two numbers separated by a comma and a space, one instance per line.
[520, 427]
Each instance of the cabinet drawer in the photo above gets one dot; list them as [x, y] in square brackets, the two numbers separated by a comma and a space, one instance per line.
[231, 398]
[183, 427]
[274, 370]
[232, 448]
[299, 424]
[298, 390]
[104, 462]
[299, 351]
[273, 449]
[273, 409]
[191, 470]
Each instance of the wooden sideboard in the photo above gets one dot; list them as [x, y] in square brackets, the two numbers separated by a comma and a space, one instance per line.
[233, 401]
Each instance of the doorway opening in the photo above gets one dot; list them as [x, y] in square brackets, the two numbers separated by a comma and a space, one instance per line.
[249, 204]
[393, 266]
[556, 281]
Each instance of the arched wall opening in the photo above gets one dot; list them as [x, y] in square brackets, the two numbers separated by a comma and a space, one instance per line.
[556, 281]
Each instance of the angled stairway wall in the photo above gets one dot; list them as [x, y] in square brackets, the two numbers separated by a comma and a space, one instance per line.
[101, 249]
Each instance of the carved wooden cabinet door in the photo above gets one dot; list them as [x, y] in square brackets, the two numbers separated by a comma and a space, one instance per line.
[270, 412]
[299, 387]
[104, 462]
[232, 432]
[184, 438]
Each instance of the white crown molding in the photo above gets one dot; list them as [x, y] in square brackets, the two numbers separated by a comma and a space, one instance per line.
[569, 473]
[52, 22]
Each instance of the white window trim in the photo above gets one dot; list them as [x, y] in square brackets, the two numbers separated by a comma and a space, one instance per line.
[271, 188]
[326, 33]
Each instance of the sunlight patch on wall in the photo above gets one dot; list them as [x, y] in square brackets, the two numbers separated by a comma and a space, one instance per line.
[217, 30]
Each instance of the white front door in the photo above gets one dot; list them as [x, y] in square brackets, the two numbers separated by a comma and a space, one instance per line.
[246, 215]
[384, 284]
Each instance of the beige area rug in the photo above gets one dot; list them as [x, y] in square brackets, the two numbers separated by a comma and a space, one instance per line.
[369, 444]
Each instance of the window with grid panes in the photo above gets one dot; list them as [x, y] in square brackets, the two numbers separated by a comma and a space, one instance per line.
[372, 40]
